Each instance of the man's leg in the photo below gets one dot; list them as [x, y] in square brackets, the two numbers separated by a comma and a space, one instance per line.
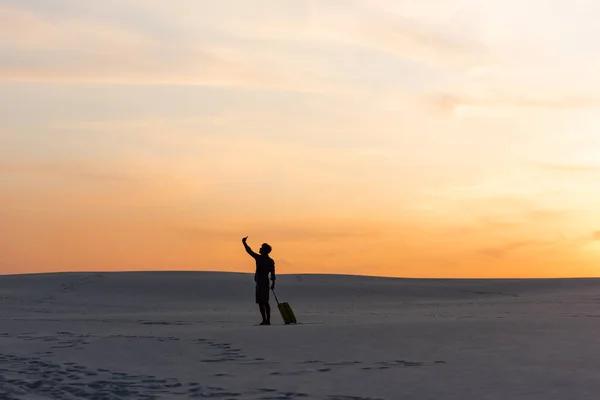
[268, 312]
[261, 306]
[260, 303]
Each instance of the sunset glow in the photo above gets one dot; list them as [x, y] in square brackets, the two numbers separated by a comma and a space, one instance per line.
[444, 138]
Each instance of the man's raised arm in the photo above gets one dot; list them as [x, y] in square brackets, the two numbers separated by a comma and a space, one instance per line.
[248, 249]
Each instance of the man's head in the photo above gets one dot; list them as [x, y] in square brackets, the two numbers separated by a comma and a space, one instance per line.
[265, 249]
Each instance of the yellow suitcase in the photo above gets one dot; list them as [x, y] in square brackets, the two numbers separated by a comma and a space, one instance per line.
[286, 311]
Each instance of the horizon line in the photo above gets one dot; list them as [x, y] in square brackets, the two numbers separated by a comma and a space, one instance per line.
[292, 274]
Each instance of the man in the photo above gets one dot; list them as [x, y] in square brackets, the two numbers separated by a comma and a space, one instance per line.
[264, 266]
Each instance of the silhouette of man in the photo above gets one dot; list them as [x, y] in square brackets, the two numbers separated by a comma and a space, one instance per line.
[264, 266]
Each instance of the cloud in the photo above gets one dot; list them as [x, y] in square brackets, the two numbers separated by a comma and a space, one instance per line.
[567, 167]
[58, 48]
[300, 229]
[370, 26]
[409, 39]
[70, 171]
[297, 46]
[328, 24]
[503, 250]
[93, 185]
[452, 103]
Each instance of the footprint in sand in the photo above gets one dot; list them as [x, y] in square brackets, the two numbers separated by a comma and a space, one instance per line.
[338, 397]
[210, 392]
[292, 373]
[341, 363]
[381, 365]
[72, 380]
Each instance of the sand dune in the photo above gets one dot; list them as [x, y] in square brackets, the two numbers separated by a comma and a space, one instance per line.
[183, 335]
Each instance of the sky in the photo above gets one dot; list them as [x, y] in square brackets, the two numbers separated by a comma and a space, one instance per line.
[440, 138]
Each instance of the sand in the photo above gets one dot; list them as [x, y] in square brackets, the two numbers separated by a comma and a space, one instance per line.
[188, 335]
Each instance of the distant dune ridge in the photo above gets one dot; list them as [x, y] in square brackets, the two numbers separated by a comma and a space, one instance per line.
[183, 335]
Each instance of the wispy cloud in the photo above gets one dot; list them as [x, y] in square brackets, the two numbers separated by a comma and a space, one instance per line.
[407, 38]
[64, 49]
[503, 250]
[297, 229]
[451, 102]
[85, 172]
[567, 167]
[369, 25]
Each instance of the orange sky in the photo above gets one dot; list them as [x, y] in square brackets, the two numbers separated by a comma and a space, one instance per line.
[449, 139]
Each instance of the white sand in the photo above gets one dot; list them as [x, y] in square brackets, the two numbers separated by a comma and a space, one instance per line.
[184, 335]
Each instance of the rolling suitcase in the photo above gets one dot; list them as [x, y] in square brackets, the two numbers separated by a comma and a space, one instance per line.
[286, 311]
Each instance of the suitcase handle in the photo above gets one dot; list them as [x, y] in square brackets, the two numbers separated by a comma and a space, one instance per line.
[276, 299]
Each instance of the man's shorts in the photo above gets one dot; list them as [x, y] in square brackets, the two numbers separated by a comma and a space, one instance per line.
[262, 293]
